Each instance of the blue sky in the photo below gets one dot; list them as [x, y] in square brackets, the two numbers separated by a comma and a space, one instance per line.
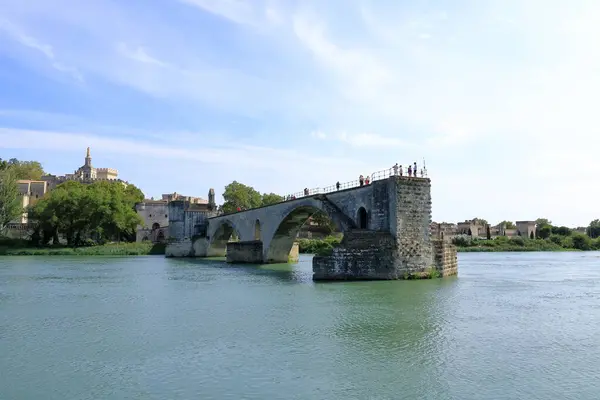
[499, 97]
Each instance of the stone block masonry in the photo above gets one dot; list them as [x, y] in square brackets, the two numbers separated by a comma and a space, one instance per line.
[445, 257]
[245, 252]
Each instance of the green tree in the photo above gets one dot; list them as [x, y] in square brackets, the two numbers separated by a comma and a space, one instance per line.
[581, 241]
[543, 221]
[271, 198]
[508, 224]
[237, 195]
[593, 230]
[100, 211]
[24, 169]
[544, 231]
[561, 230]
[322, 220]
[480, 221]
[11, 205]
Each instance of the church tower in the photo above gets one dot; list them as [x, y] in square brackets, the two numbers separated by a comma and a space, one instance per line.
[88, 159]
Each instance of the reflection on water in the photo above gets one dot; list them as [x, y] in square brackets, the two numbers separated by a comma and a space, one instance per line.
[511, 326]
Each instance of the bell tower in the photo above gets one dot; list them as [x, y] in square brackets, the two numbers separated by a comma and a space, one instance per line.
[88, 158]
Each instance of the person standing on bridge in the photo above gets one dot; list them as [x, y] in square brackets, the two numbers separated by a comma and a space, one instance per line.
[395, 168]
[415, 169]
[361, 180]
[306, 191]
[337, 185]
[409, 170]
[401, 171]
[367, 180]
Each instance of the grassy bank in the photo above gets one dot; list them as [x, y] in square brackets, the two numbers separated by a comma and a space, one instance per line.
[23, 248]
[318, 246]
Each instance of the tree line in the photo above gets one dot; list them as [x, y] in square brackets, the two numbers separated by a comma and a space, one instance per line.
[82, 213]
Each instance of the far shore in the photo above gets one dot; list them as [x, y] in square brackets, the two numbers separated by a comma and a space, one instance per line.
[111, 249]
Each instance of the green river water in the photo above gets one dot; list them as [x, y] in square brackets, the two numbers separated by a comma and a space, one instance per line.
[511, 326]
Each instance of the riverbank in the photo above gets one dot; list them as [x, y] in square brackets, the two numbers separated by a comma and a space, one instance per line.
[22, 248]
[466, 245]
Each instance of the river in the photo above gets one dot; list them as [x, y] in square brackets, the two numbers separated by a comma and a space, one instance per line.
[511, 326]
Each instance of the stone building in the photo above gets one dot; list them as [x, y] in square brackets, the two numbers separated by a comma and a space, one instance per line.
[87, 173]
[526, 229]
[155, 214]
[30, 191]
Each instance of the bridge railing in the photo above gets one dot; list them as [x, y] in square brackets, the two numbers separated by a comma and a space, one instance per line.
[375, 176]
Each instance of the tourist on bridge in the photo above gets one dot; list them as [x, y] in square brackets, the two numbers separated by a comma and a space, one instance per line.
[415, 169]
[395, 168]
[367, 180]
[401, 171]
[409, 170]
[361, 180]
[337, 185]
[306, 191]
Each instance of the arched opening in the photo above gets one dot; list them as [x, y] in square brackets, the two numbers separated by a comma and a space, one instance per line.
[323, 233]
[257, 230]
[145, 239]
[218, 242]
[155, 226]
[161, 237]
[362, 218]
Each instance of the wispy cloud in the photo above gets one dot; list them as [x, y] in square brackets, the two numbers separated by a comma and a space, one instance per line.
[43, 48]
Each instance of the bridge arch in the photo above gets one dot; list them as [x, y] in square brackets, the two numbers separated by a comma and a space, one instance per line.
[217, 246]
[362, 218]
[285, 234]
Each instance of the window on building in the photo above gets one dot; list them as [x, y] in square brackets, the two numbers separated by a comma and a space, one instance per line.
[166, 216]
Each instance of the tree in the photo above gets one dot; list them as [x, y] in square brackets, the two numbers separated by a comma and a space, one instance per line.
[561, 230]
[271, 198]
[480, 221]
[508, 224]
[11, 205]
[322, 219]
[544, 231]
[593, 230]
[237, 195]
[488, 232]
[581, 241]
[24, 169]
[542, 222]
[100, 211]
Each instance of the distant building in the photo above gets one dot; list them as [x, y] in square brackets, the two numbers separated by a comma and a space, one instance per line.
[30, 191]
[155, 214]
[87, 173]
[526, 229]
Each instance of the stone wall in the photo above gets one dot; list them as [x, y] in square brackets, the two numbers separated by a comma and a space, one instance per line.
[411, 208]
[245, 252]
[403, 250]
[361, 255]
[445, 257]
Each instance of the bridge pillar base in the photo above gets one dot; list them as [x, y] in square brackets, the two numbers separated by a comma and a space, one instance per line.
[369, 255]
[245, 252]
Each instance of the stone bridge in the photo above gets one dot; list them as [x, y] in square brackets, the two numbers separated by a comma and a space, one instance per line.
[385, 225]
